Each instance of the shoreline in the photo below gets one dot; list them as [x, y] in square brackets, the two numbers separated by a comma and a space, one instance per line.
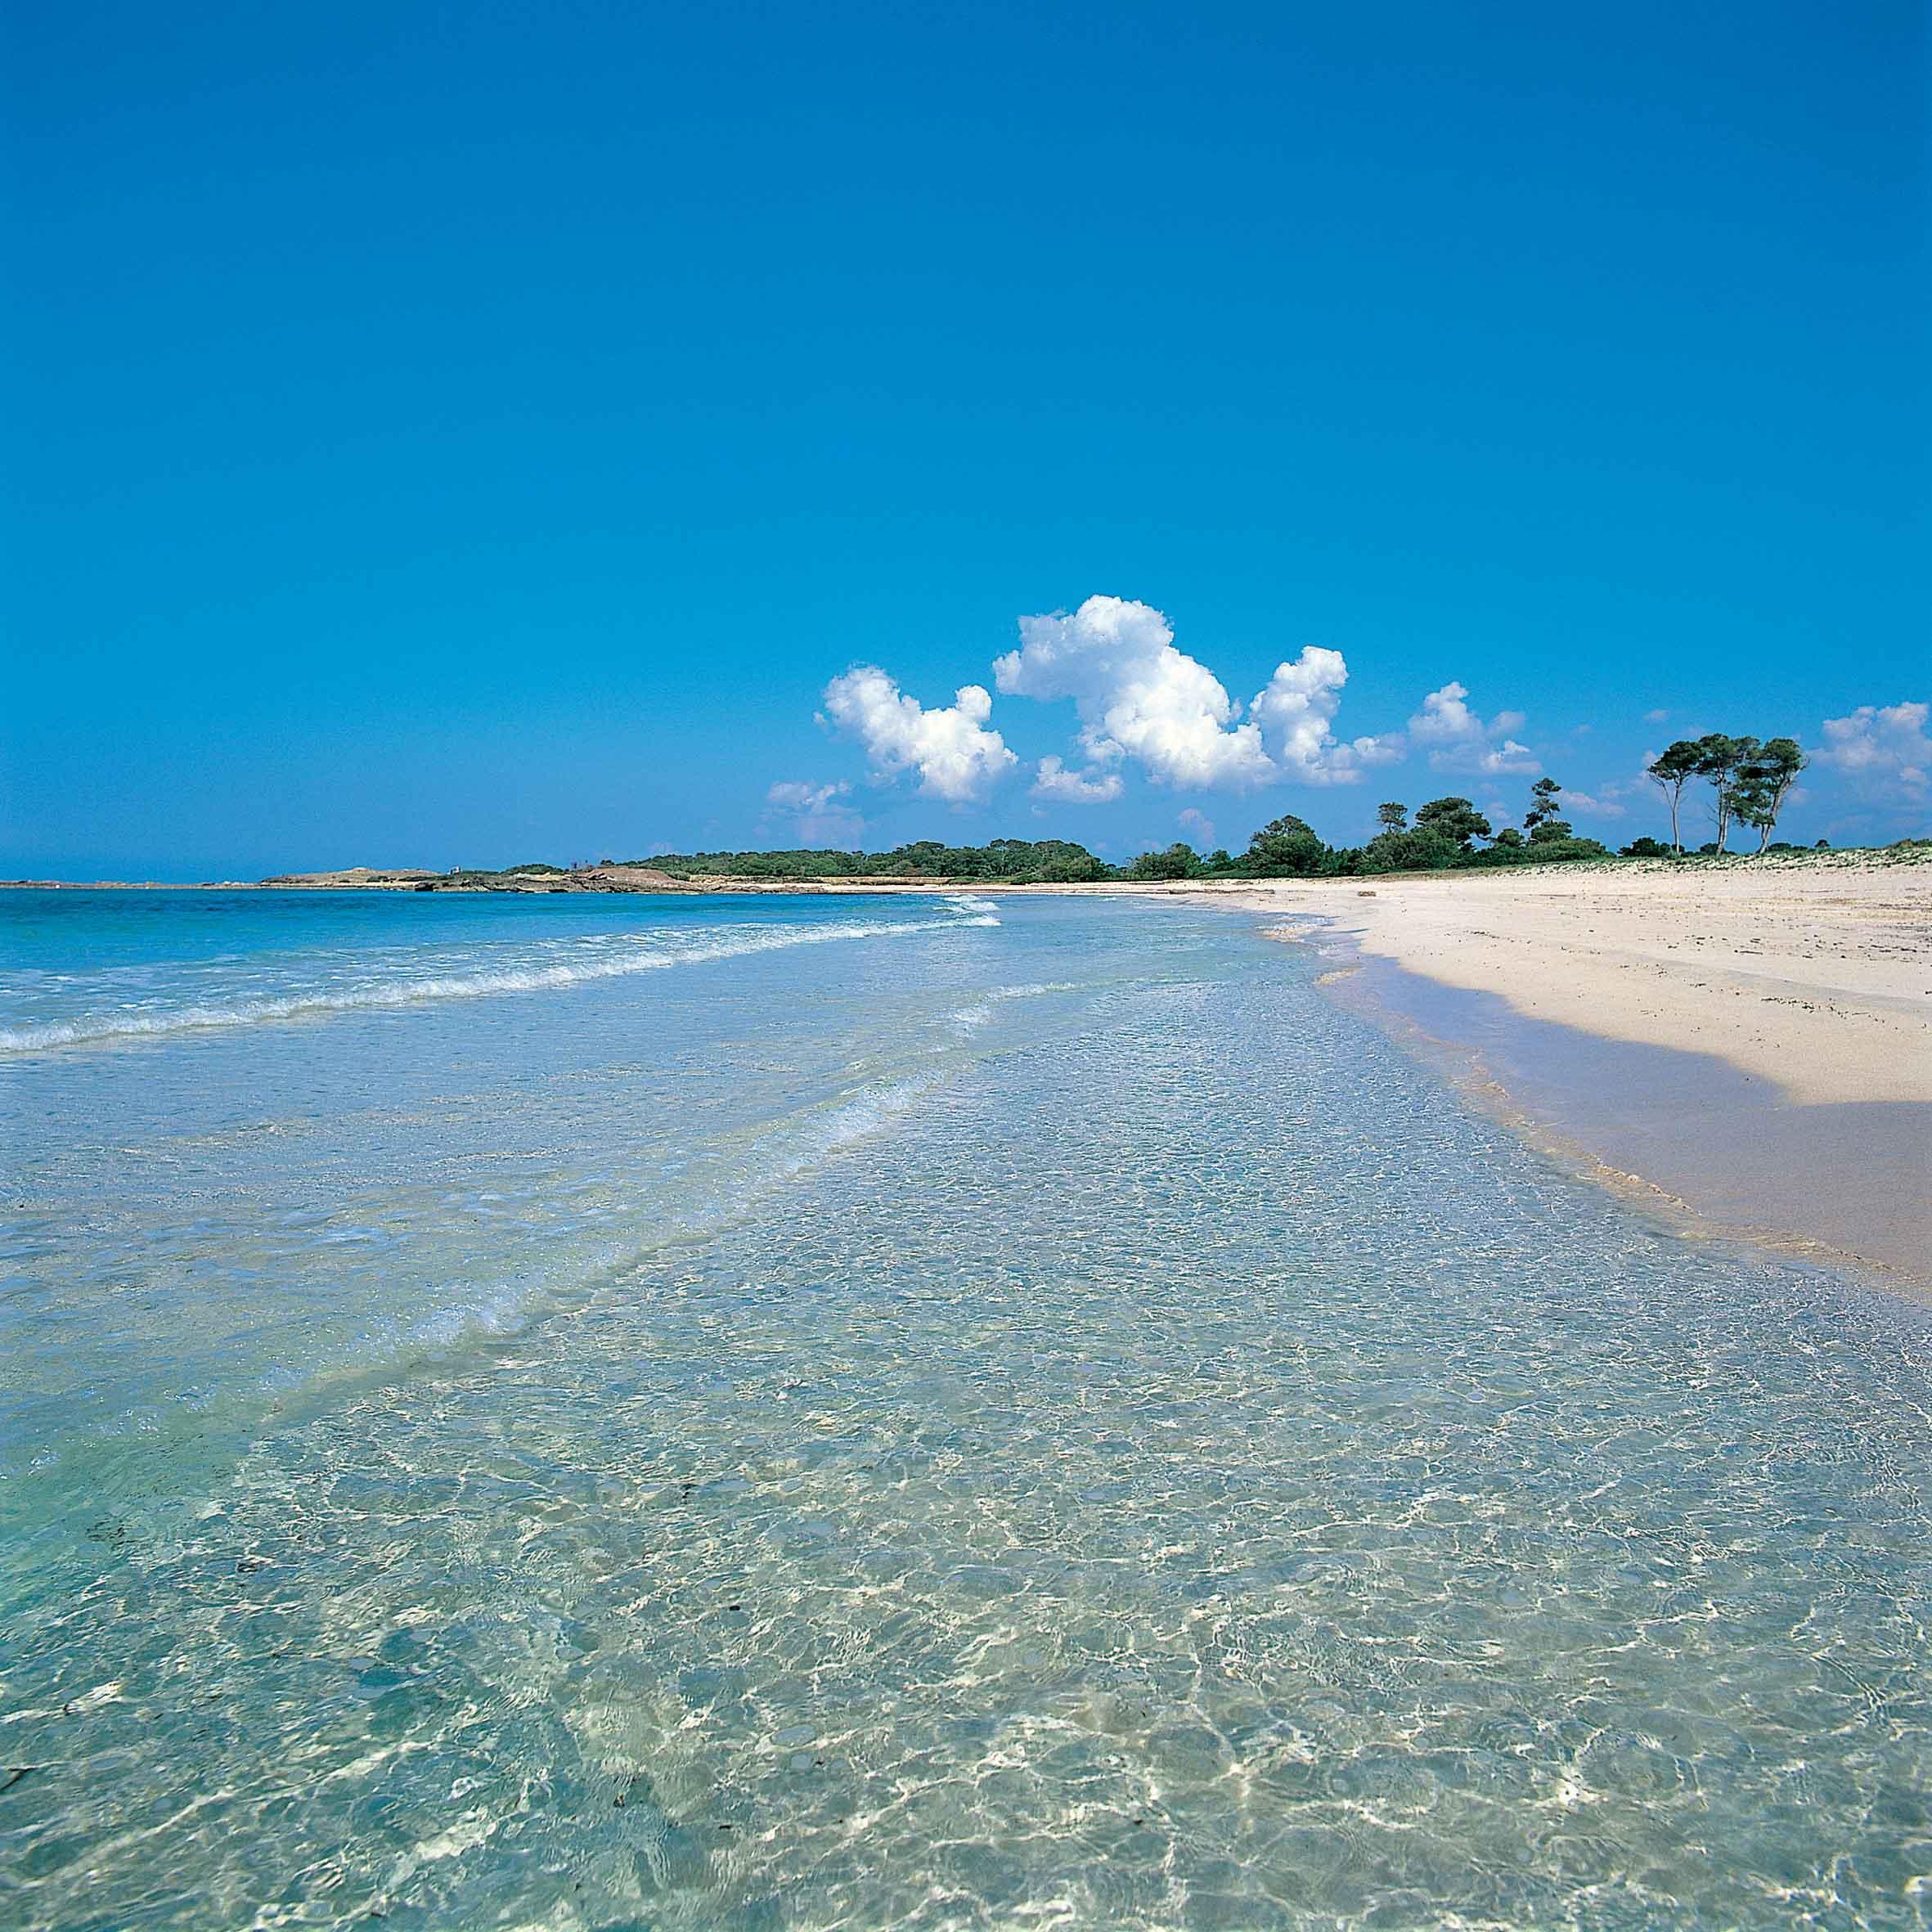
[1744, 1051]
[1774, 1088]
[1578, 1099]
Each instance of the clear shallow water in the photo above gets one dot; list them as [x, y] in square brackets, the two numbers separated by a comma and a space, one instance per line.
[1042, 1422]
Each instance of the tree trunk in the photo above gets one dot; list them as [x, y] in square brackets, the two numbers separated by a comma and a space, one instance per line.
[1677, 844]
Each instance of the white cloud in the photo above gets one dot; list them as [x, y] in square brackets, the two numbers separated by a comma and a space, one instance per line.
[817, 817]
[1138, 696]
[795, 795]
[1883, 751]
[1135, 694]
[1075, 787]
[1199, 828]
[1654, 717]
[1457, 739]
[955, 756]
[1601, 805]
[1297, 707]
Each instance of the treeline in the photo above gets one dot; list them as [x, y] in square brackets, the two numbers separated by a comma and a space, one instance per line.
[1750, 781]
[1006, 861]
[1444, 834]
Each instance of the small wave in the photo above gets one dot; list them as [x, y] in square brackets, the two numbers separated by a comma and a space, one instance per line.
[968, 1020]
[864, 1113]
[568, 1280]
[467, 985]
[491, 1318]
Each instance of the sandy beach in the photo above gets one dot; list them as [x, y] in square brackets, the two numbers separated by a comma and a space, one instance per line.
[1815, 976]
[1792, 999]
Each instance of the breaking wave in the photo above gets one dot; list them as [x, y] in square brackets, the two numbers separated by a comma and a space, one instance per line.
[631, 958]
[968, 1020]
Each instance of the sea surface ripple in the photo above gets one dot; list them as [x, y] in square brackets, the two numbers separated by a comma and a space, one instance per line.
[1043, 1422]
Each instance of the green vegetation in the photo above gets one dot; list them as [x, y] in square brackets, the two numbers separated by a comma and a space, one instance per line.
[1671, 772]
[1763, 782]
[1543, 808]
[1446, 833]
[1177, 861]
[1748, 782]
[1006, 861]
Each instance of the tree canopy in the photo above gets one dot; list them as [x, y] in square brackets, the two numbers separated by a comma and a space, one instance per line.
[1456, 818]
[1763, 782]
[1286, 847]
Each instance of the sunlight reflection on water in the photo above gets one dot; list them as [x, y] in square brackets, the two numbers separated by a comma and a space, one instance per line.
[1161, 1462]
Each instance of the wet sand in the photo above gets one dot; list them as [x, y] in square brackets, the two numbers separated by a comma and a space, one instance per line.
[1687, 1137]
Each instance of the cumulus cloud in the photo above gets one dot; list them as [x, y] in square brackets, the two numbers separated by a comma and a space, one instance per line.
[1656, 717]
[1135, 694]
[817, 817]
[1296, 709]
[1138, 696]
[1883, 751]
[956, 757]
[1199, 828]
[1458, 739]
[1053, 781]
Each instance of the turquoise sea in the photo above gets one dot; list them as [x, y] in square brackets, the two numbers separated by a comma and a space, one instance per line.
[591, 1413]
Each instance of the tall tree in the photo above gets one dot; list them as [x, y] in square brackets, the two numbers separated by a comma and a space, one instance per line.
[1671, 771]
[1392, 817]
[1720, 759]
[1762, 784]
[1454, 818]
[1542, 803]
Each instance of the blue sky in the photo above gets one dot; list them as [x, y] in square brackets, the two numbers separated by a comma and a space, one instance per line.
[462, 434]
